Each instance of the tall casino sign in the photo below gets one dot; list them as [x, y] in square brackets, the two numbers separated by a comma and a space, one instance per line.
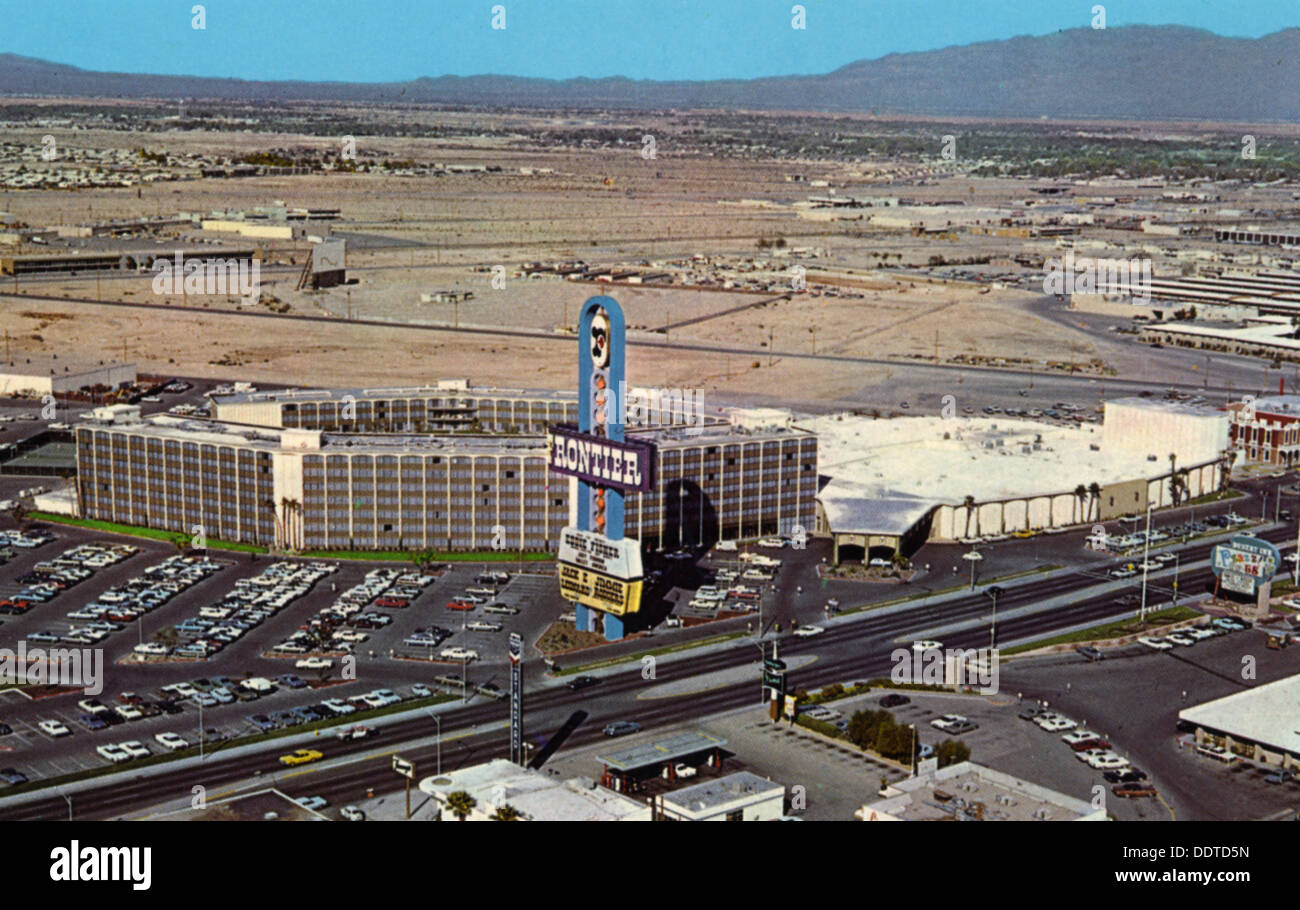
[599, 569]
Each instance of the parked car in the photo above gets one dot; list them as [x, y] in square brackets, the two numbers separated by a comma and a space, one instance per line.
[1089, 653]
[893, 700]
[582, 682]
[171, 741]
[55, 728]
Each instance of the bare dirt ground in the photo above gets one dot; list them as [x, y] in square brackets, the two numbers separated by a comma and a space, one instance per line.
[420, 235]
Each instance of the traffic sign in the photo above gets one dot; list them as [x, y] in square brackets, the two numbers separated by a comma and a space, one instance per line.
[404, 767]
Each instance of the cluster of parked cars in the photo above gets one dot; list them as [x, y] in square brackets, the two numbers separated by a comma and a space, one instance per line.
[25, 540]
[48, 579]
[1187, 637]
[1094, 750]
[483, 592]
[339, 627]
[126, 602]
[249, 604]
[427, 637]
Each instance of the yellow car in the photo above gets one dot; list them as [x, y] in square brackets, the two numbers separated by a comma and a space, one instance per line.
[301, 757]
[1022, 534]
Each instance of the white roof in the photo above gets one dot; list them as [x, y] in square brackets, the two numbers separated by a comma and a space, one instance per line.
[1267, 714]
[905, 465]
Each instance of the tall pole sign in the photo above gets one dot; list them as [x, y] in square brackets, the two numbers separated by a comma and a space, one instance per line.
[516, 698]
[599, 568]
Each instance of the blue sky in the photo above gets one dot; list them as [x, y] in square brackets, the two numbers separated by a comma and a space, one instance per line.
[652, 39]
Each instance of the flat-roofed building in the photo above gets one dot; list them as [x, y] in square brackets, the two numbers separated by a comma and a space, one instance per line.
[534, 796]
[970, 792]
[312, 489]
[1257, 723]
[46, 376]
[739, 797]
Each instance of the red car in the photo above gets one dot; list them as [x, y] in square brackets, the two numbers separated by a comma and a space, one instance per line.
[1095, 743]
[1134, 789]
[392, 602]
[744, 595]
[459, 605]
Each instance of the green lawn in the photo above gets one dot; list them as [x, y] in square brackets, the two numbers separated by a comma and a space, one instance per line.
[135, 531]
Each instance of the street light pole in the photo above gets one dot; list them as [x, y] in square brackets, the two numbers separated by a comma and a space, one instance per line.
[438, 720]
[993, 626]
[1146, 564]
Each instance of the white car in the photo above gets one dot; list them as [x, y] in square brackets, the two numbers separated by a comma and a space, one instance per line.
[480, 626]
[1200, 633]
[771, 543]
[339, 706]
[54, 728]
[135, 749]
[352, 814]
[681, 769]
[1179, 638]
[948, 721]
[1108, 761]
[115, 754]
[129, 712]
[1158, 644]
[458, 654]
[171, 741]
[808, 631]
[151, 648]
[1077, 736]
[926, 645]
[1056, 723]
[313, 663]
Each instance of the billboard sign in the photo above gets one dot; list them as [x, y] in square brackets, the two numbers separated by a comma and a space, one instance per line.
[1244, 563]
[600, 461]
[589, 550]
[328, 256]
[604, 592]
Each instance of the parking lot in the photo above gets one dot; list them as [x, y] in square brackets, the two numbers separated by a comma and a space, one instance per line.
[145, 607]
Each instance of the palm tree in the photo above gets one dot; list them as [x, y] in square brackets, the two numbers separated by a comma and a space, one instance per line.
[1094, 491]
[269, 505]
[1080, 495]
[970, 505]
[461, 804]
[506, 813]
[19, 514]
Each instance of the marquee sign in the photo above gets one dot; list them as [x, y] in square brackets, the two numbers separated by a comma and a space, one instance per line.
[601, 461]
[589, 550]
[616, 596]
[1244, 563]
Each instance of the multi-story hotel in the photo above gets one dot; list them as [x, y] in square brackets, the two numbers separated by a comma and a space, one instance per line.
[315, 489]
[450, 406]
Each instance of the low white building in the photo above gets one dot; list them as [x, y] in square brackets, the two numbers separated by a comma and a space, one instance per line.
[50, 377]
[970, 792]
[738, 797]
[532, 794]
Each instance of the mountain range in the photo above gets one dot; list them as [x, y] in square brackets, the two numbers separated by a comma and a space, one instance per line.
[1121, 73]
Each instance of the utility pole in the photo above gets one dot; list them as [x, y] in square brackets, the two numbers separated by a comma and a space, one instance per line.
[770, 333]
[1146, 565]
